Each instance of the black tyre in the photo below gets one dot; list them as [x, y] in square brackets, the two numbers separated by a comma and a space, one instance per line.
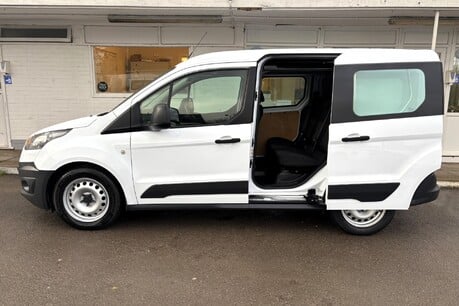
[362, 222]
[87, 199]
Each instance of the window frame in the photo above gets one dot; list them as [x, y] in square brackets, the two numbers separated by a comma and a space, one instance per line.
[67, 39]
[241, 93]
[391, 113]
[343, 91]
[123, 95]
[244, 116]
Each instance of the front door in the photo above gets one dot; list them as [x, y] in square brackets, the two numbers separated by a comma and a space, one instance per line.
[203, 157]
[386, 128]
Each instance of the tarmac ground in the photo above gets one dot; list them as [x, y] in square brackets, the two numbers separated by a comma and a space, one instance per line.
[227, 257]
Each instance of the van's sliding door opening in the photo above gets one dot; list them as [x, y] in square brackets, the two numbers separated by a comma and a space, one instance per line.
[293, 117]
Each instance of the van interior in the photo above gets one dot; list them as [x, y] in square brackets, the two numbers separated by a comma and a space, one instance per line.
[291, 139]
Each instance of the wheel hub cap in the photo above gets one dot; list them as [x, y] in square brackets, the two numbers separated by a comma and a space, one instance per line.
[85, 200]
[363, 218]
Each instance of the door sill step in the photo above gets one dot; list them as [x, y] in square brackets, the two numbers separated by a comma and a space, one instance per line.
[251, 205]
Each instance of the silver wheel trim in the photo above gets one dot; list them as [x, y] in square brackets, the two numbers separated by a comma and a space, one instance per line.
[363, 218]
[86, 200]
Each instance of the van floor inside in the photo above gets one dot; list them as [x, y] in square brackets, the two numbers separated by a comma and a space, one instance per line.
[284, 178]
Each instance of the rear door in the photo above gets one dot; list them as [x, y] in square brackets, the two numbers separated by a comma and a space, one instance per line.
[386, 127]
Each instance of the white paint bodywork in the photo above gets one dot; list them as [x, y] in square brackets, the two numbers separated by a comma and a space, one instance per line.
[190, 155]
[403, 149]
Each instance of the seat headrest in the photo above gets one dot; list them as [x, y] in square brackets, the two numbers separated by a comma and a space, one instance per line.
[186, 106]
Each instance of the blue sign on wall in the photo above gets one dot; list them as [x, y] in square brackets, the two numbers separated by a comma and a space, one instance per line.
[8, 79]
[456, 79]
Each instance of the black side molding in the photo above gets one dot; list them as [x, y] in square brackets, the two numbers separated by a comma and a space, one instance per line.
[362, 192]
[427, 191]
[162, 191]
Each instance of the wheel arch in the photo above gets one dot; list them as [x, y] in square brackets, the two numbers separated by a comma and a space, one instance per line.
[77, 165]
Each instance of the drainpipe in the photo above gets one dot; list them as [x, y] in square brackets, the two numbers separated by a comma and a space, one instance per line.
[435, 30]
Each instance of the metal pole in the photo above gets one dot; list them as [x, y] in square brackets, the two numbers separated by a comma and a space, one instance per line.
[435, 30]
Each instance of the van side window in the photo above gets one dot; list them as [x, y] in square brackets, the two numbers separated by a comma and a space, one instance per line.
[283, 91]
[210, 97]
[388, 91]
[146, 106]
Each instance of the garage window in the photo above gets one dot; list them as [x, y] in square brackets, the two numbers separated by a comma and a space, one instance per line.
[127, 69]
[388, 91]
[35, 34]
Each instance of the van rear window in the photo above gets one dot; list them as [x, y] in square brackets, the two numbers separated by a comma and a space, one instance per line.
[388, 91]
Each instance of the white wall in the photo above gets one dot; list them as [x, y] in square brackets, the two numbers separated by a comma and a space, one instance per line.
[51, 84]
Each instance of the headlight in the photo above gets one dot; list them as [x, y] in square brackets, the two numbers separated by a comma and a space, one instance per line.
[38, 141]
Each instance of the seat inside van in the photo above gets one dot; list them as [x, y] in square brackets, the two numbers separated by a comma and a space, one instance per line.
[292, 120]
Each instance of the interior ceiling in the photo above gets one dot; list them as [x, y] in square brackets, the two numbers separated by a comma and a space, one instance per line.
[266, 16]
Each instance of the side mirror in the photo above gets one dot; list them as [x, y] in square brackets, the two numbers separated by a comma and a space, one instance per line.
[175, 117]
[160, 117]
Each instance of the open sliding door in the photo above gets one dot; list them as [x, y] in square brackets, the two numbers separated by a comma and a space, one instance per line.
[386, 129]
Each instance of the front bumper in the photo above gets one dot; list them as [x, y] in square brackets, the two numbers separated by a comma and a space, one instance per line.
[34, 184]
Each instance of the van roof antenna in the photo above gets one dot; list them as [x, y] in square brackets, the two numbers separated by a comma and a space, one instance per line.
[197, 45]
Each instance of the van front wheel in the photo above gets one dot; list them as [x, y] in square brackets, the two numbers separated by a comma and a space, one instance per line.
[362, 222]
[87, 199]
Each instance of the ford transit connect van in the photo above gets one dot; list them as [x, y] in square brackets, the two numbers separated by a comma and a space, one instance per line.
[354, 131]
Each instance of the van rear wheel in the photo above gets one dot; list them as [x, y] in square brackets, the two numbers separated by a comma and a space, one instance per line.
[362, 222]
[87, 199]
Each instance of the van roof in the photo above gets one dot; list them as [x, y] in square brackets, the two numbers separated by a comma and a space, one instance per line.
[347, 56]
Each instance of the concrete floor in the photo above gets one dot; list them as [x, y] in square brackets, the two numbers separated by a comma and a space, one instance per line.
[219, 258]
[448, 172]
[9, 158]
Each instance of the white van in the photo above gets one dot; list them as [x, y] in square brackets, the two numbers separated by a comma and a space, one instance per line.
[354, 131]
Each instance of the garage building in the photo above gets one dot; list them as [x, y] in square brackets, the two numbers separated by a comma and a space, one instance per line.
[67, 59]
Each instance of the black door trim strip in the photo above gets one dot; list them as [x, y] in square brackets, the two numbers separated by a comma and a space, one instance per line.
[163, 191]
[362, 192]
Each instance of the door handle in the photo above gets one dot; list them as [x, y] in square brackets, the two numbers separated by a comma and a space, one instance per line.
[355, 138]
[227, 139]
